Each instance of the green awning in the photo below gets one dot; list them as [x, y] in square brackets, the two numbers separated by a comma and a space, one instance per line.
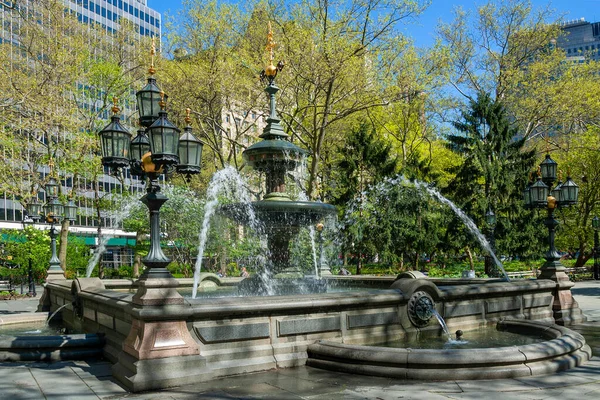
[112, 242]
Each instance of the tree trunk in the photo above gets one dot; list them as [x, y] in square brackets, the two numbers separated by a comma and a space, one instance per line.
[470, 257]
[583, 257]
[64, 238]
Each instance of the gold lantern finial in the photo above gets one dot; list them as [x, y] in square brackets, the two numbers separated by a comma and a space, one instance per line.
[51, 165]
[162, 102]
[115, 108]
[152, 70]
[188, 120]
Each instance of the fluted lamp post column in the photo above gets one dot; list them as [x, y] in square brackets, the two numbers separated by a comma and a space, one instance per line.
[541, 195]
[159, 345]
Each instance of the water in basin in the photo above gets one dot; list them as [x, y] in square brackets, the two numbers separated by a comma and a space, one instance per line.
[487, 337]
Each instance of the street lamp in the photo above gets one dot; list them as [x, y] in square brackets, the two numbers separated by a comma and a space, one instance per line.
[159, 311]
[490, 219]
[596, 226]
[52, 213]
[155, 150]
[541, 195]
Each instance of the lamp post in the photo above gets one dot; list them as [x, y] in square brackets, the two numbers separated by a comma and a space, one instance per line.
[596, 226]
[158, 309]
[52, 213]
[30, 280]
[541, 195]
[490, 219]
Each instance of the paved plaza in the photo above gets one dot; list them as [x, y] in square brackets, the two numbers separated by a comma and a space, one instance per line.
[93, 380]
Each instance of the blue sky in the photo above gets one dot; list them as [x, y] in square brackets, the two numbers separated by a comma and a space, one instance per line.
[423, 30]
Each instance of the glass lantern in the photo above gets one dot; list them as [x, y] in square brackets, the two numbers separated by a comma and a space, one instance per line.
[34, 209]
[190, 153]
[539, 193]
[115, 139]
[54, 210]
[51, 188]
[569, 193]
[164, 141]
[490, 218]
[70, 210]
[548, 169]
[148, 102]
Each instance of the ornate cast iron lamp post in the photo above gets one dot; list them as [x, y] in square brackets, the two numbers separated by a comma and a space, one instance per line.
[596, 226]
[490, 219]
[158, 329]
[541, 195]
[52, 213]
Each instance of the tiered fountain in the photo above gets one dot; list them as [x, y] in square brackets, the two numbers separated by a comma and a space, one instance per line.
[278, 216]
[158, 339]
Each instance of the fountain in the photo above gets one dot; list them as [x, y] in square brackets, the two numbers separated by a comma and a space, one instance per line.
[277, 214]
[158, 339]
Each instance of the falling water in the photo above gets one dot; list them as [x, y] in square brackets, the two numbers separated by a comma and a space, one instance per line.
[388, 184]
[225, 182]
[116, 219]
[441, 322]
[55, 312]
[468, 223]
[311, 229]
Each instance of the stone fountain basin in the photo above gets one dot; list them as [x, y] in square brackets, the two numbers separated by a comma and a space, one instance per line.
[46, 348]
[275, 214]
[564, 349]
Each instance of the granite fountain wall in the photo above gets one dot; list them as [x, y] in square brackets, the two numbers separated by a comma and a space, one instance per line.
[238, 335]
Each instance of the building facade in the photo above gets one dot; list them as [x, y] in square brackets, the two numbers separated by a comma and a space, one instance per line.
[106, 15]
[581, 40]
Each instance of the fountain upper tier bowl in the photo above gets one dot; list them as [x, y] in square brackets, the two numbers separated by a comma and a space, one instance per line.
[263, 155]
[284, 213]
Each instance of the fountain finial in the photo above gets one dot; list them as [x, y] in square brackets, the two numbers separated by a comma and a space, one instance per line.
[270, 72]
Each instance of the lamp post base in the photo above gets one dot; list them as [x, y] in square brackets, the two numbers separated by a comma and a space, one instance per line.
[564, 307]
[54, 274]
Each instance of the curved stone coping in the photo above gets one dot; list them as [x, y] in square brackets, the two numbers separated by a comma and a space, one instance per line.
[183, 282]
[565, 349]
[227, 306]
[51, 348]
[479, 291]
[21, 318]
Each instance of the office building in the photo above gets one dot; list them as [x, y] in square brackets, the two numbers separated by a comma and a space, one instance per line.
[581, 40]
[106, 15]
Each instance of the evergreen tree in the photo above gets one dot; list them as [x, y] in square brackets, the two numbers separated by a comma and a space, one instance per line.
[365, 160]
[493, 174]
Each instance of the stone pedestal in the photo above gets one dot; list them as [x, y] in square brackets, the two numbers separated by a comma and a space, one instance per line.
[565, 308]
[159, 351]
